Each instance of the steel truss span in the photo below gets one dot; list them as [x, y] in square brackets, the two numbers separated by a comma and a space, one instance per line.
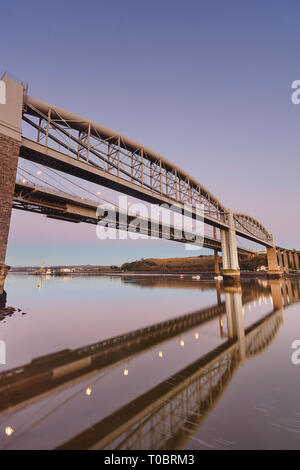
[101, 155]
[248, 224]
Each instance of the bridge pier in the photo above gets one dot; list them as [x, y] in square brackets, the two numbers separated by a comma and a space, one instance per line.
[10, 141]
[291, 260]
[285, 262]
[296, 258]
[279, 259]
[274, 271]
[216, 256]
[231, 269]
[216, 260]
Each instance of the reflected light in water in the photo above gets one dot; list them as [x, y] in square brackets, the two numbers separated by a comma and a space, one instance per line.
[125, 372]
[88, 391]
[9, 430]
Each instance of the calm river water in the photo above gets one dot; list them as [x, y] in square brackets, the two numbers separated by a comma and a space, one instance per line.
[149, 362]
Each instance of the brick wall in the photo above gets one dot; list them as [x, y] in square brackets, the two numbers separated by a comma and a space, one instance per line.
[9, 154]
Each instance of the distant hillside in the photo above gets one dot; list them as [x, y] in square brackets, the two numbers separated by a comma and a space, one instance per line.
[189, 264]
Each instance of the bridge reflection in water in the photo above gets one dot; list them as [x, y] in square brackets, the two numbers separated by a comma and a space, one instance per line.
[168, 414]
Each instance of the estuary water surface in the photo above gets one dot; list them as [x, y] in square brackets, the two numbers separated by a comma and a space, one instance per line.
[149, 362]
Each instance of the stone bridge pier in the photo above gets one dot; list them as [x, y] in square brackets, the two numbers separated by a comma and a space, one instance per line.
[296, 260]
[288, 260]
[10, 141]
[231, 269]
[274, 267]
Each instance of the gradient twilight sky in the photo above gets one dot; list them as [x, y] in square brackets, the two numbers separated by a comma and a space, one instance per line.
[205, 83]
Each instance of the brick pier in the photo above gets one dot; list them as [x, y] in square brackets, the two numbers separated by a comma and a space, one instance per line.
[10, 142]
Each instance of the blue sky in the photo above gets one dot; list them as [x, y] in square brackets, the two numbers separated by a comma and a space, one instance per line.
[207, 84]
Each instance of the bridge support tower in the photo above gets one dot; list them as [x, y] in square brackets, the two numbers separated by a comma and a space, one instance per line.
[286, 267]
[231, 269]
[279, 259]
[291, 260]
[11, 106]
[296, 258]
[274, 271]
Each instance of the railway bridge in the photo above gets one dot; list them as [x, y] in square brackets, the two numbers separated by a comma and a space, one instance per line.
[50, 137]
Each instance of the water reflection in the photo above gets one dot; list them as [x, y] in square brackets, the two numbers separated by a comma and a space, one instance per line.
[165, 416]
[161, 417]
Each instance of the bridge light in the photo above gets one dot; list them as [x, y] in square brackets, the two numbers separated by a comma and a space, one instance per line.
[98, 193]
[9, 431]
[125, 372]
[24, 180]
[160, 354]
[182, 343]
[88, 391]
[39, 172]
[197, 335]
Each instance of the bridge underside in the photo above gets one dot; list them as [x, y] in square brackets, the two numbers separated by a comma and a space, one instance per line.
[49, 157]
[71, 209]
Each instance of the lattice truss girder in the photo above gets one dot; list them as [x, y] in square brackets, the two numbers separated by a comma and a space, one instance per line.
[83, 140]
[248, 224]
[111, 155]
